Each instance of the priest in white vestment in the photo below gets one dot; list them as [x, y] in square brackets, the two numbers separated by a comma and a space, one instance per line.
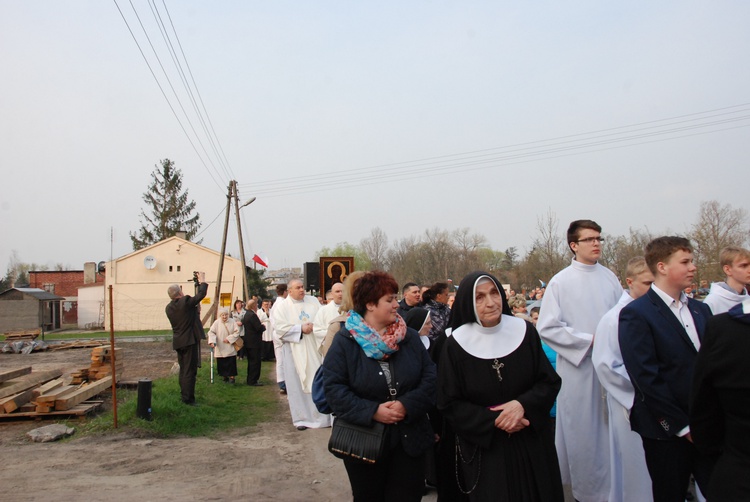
[574, 302]
[294, 328]
[629, 477]
[328, 312]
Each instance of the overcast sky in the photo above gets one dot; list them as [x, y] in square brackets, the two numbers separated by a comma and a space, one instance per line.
[358, 94]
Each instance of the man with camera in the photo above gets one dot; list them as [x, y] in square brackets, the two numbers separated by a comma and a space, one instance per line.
[184, 315]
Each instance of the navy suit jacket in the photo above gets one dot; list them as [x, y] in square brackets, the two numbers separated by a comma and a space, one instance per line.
[659, 357]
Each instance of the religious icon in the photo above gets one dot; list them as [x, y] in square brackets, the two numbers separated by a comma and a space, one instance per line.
[333, 270]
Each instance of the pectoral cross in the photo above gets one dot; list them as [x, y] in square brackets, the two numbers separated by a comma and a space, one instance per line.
[497, 365]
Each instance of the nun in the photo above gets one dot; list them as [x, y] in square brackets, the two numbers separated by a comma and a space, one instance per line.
[495, 389]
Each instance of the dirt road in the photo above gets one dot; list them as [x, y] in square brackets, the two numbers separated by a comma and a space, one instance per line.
[272, 461]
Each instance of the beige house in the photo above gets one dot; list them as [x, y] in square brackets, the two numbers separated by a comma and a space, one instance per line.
[140, 280]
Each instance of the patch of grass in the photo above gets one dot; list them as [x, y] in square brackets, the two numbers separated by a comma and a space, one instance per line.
[105, 334]
[222, 407]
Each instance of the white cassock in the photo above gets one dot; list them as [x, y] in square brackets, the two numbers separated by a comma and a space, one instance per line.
[265, 321]
[721, 298]
[323, 318]
[301, 358]
[573, 304]
[277, 344]
[629, 478]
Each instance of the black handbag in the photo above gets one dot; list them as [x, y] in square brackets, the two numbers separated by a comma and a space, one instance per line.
[361, 443]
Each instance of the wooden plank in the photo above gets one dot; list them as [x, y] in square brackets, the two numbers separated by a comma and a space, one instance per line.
[80, 410]
[49, 386]
[12, 403]
[52, 395]
[37, 331]
[82, 394]
[10, 374]
[27, 382]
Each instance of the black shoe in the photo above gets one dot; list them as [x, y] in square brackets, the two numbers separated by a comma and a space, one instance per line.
[301, 428]
[191, 403]
[256, 384]
[282, 392]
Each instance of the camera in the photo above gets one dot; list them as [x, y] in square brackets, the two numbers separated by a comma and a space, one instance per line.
[196, 281]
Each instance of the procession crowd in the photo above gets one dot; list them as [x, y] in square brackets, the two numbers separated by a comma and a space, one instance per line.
[622, 394]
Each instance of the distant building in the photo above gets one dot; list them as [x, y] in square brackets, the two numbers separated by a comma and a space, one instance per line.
[29, 308]
[65, 283]
[140, 280]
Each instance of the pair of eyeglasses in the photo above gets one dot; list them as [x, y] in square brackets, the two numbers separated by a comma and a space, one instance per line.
[590, 240]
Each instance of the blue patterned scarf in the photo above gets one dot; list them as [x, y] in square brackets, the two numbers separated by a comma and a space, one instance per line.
[376, 346]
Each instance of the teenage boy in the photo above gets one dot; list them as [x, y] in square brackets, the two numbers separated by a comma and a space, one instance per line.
[629, 479]
[723, 296]
[574, 302]
[660, 334]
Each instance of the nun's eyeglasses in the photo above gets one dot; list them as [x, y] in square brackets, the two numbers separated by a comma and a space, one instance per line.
[590, 240]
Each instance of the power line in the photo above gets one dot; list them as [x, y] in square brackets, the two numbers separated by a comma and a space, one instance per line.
[200, 98]
[464, 167]
[449, 163]
[166, 76]
[169, 103]
[221, 211]
[176, 60]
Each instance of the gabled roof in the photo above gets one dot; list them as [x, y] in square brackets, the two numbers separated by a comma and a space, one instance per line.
[37, 293]
[174, 240]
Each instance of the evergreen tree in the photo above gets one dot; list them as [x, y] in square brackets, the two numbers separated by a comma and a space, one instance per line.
[169, 209]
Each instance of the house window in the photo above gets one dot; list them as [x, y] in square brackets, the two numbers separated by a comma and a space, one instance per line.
[170, 268]
[49, 287]
[178, 268]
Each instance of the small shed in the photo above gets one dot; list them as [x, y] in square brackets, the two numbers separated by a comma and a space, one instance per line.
[29, 308]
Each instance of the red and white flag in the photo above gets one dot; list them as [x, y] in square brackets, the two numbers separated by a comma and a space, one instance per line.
[262, 261]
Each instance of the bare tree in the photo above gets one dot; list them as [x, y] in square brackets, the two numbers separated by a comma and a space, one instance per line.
[403, 258]
[717, 227]
[376, 248]
[618, 250]
[552, 248]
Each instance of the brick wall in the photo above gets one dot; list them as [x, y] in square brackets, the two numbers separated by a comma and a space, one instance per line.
[66, 282]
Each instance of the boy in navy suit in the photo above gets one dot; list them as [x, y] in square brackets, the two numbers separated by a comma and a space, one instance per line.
[660, 334]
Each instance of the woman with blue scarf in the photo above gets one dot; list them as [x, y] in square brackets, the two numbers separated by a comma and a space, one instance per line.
[372, 352]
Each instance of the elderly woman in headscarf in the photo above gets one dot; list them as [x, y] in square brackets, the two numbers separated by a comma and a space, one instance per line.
[496, 388]
[372, 353]
[221, 338]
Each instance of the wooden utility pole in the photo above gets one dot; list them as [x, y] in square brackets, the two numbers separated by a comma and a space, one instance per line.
[113, 356]
[221, 254]
[242, 247]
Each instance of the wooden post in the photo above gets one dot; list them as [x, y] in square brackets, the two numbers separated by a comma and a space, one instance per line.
[112, 357]
[242, 247]
[221, 255]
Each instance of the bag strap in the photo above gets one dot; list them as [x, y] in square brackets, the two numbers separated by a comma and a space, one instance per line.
[391, 386]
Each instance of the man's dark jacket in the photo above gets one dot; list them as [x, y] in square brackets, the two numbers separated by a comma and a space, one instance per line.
[183, 315]
[253, 329]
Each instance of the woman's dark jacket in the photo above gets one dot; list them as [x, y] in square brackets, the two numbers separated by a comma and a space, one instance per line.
[355, 386]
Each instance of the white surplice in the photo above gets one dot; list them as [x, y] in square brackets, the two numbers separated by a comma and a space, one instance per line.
[629, 477]
[265, 321]
[323, 318]
[301, 358]
[277, 344]
[721, 298]
[574, 302]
